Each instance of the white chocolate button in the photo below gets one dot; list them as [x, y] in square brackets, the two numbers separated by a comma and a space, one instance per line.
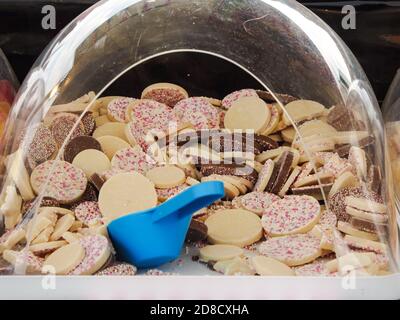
[18, 173]
[12, 239]
[36, 226]
[12, 202]
[347, 228]
[63, 224]
[238, 267]
[41, 249]
[166, 177]
[365, 205]
[248, 113]
[43, 236]
[101, 120]
[234, 226]
[274, 121]
[219, 252]
[97, 252]
[92, 161]
[266, 266]
[126, 193]
[71, 237]
[230, 190]
[65, 259]
[314, 127]
[301, 110]
[76, 226]
[111, 144]
[52, 212]
[358, 159]
[346, 179]
[221, 266]
[116, 129]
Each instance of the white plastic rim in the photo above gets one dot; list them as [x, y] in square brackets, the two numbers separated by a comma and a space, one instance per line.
[189, 287]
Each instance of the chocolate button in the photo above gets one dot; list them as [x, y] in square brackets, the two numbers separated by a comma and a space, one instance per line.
[283, 165]
[89, 124]
[97, 181]
[265, 142]
[90, 194]
[79, 144]
[374, 178]
[197, 231]
[283, 98]
[343, 150]
[227, 142]
[46, 202]
[368, 226]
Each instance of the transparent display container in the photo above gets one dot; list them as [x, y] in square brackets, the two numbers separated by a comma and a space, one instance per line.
[391, 115]
[8, 86]
[327, 118]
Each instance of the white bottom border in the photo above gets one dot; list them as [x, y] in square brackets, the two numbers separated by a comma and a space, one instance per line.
[198, 287]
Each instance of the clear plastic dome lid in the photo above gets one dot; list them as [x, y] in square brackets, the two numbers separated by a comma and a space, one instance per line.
[121, 111]
[391, 115]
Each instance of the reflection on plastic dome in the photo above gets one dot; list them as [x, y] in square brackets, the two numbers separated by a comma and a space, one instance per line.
[138, 101]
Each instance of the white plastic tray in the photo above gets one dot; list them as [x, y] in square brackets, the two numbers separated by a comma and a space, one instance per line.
[198, 287]
[207, 285]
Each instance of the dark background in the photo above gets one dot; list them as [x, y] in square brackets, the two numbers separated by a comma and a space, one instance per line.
[375, 41]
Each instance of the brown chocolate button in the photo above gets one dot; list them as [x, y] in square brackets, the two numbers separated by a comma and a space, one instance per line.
[340, 118]
[197, 231]
[90, 194]
[97, 181]
[343, 150]
[79, 144]
[265, 142]
[367, 226]
[2, 230]
[313, 191]
[374, 178]
[272, 179]
[283, 166]
[283, 98]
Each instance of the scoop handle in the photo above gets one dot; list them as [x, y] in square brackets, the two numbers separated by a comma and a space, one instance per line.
[191, 200]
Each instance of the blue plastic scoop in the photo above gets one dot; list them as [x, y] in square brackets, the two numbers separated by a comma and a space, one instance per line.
[150, 238]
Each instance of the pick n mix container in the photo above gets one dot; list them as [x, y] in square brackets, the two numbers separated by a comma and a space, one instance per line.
[137, 101]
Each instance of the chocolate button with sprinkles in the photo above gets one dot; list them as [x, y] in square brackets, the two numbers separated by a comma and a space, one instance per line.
[78, 144]
[89, 124]
[42, 147]
[337, 203]
[119, 269]
[62, 124]
[46, 202]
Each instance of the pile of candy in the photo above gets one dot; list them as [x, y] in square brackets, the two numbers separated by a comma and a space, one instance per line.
[89, 163]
